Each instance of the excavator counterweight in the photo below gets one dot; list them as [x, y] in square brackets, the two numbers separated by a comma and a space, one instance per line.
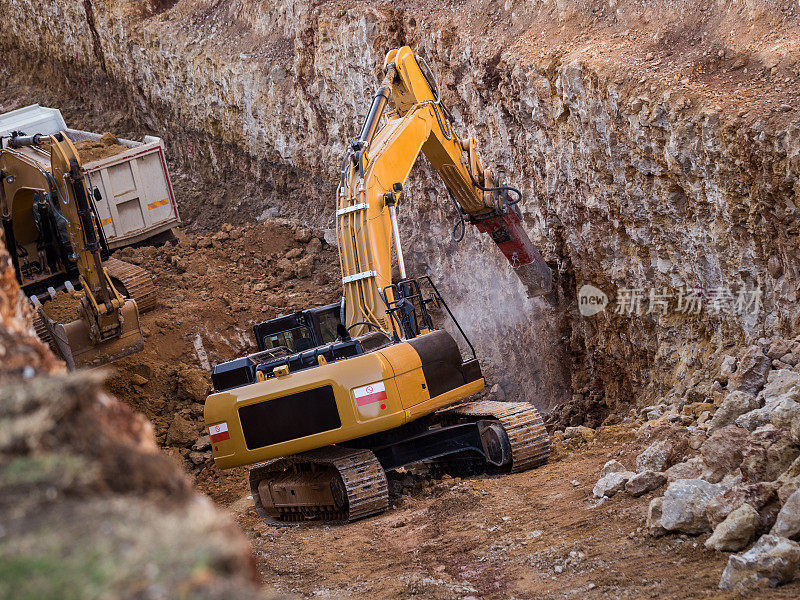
[338, 395]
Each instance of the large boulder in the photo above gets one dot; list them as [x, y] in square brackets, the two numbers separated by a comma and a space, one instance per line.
[757, 495]
[779, 382]
[734, 405]
[755, 418]
[773, 560]
[611, 483]
[656, 457]
[736, 531]
[784, 410]
[751, 372]
[768, 453]
[722, 452]
[726, 369]
[787, 523]
[193, 384]
[685, 503]
[612, 466]
[181, 432]
[780, 411]
[644, 482]
[654, 512]
[688, 469]
[789, 481]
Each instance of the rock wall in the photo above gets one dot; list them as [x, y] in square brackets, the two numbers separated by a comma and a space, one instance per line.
[648, 143]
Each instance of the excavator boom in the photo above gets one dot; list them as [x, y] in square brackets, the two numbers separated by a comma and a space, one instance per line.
[373, 175]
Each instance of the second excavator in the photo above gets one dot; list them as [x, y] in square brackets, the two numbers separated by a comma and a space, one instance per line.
[338, 395]
[54, 218]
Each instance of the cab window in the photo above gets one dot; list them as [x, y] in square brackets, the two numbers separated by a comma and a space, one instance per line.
[296, 340]
[328, 322]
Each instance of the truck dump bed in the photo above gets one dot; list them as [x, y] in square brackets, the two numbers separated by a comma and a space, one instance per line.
[136, 201]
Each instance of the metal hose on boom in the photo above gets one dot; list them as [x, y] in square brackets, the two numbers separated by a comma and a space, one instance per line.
[376, 108]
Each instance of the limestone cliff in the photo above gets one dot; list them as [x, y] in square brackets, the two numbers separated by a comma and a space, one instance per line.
[657, 146]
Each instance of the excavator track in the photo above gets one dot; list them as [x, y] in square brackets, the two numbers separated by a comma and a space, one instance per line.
[137, 283]
[44, 334]
[358, 486]
[530, 444]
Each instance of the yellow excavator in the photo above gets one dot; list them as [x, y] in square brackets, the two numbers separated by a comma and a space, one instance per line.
[338, 395]
[53, 237]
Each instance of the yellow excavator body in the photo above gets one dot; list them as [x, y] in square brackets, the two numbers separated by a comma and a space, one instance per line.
[34, 202]
[326, 406]
[338, 395]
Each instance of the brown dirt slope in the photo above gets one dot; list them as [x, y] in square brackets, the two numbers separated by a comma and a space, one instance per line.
[90, 508]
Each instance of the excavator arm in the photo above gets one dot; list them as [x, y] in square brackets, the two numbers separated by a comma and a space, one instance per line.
[373, 174]
[107, 327]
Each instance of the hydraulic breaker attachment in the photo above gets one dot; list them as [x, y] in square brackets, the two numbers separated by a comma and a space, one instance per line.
[507, 232]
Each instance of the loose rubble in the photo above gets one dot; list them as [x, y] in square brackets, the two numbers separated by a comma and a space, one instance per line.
[773, 560]
[730, 454]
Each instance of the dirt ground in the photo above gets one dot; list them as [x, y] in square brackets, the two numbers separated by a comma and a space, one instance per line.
[539, 534]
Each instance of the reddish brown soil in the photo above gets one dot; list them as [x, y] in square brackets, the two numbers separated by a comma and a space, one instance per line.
[63, 308]
[211, 290]
[105, 147]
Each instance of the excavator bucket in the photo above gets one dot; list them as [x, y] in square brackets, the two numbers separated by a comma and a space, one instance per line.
[73, 342]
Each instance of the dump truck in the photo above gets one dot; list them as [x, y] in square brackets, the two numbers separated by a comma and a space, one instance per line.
[68, 198]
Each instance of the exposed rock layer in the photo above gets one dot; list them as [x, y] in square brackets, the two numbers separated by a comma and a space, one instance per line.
[640, 167]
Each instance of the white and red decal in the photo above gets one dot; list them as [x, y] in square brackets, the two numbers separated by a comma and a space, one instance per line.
[219, 433]
[370, 394]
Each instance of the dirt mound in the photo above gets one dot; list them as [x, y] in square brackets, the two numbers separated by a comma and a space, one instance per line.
[105, 147]
[90, 507]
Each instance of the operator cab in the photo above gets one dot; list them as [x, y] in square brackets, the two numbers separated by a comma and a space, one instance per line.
[300, 331]
[302, 340]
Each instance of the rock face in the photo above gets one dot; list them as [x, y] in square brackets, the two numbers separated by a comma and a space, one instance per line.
[685, 503]
[773, 560]
[736, 531]
[751, 373]
[610, 169]
[788, 522]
